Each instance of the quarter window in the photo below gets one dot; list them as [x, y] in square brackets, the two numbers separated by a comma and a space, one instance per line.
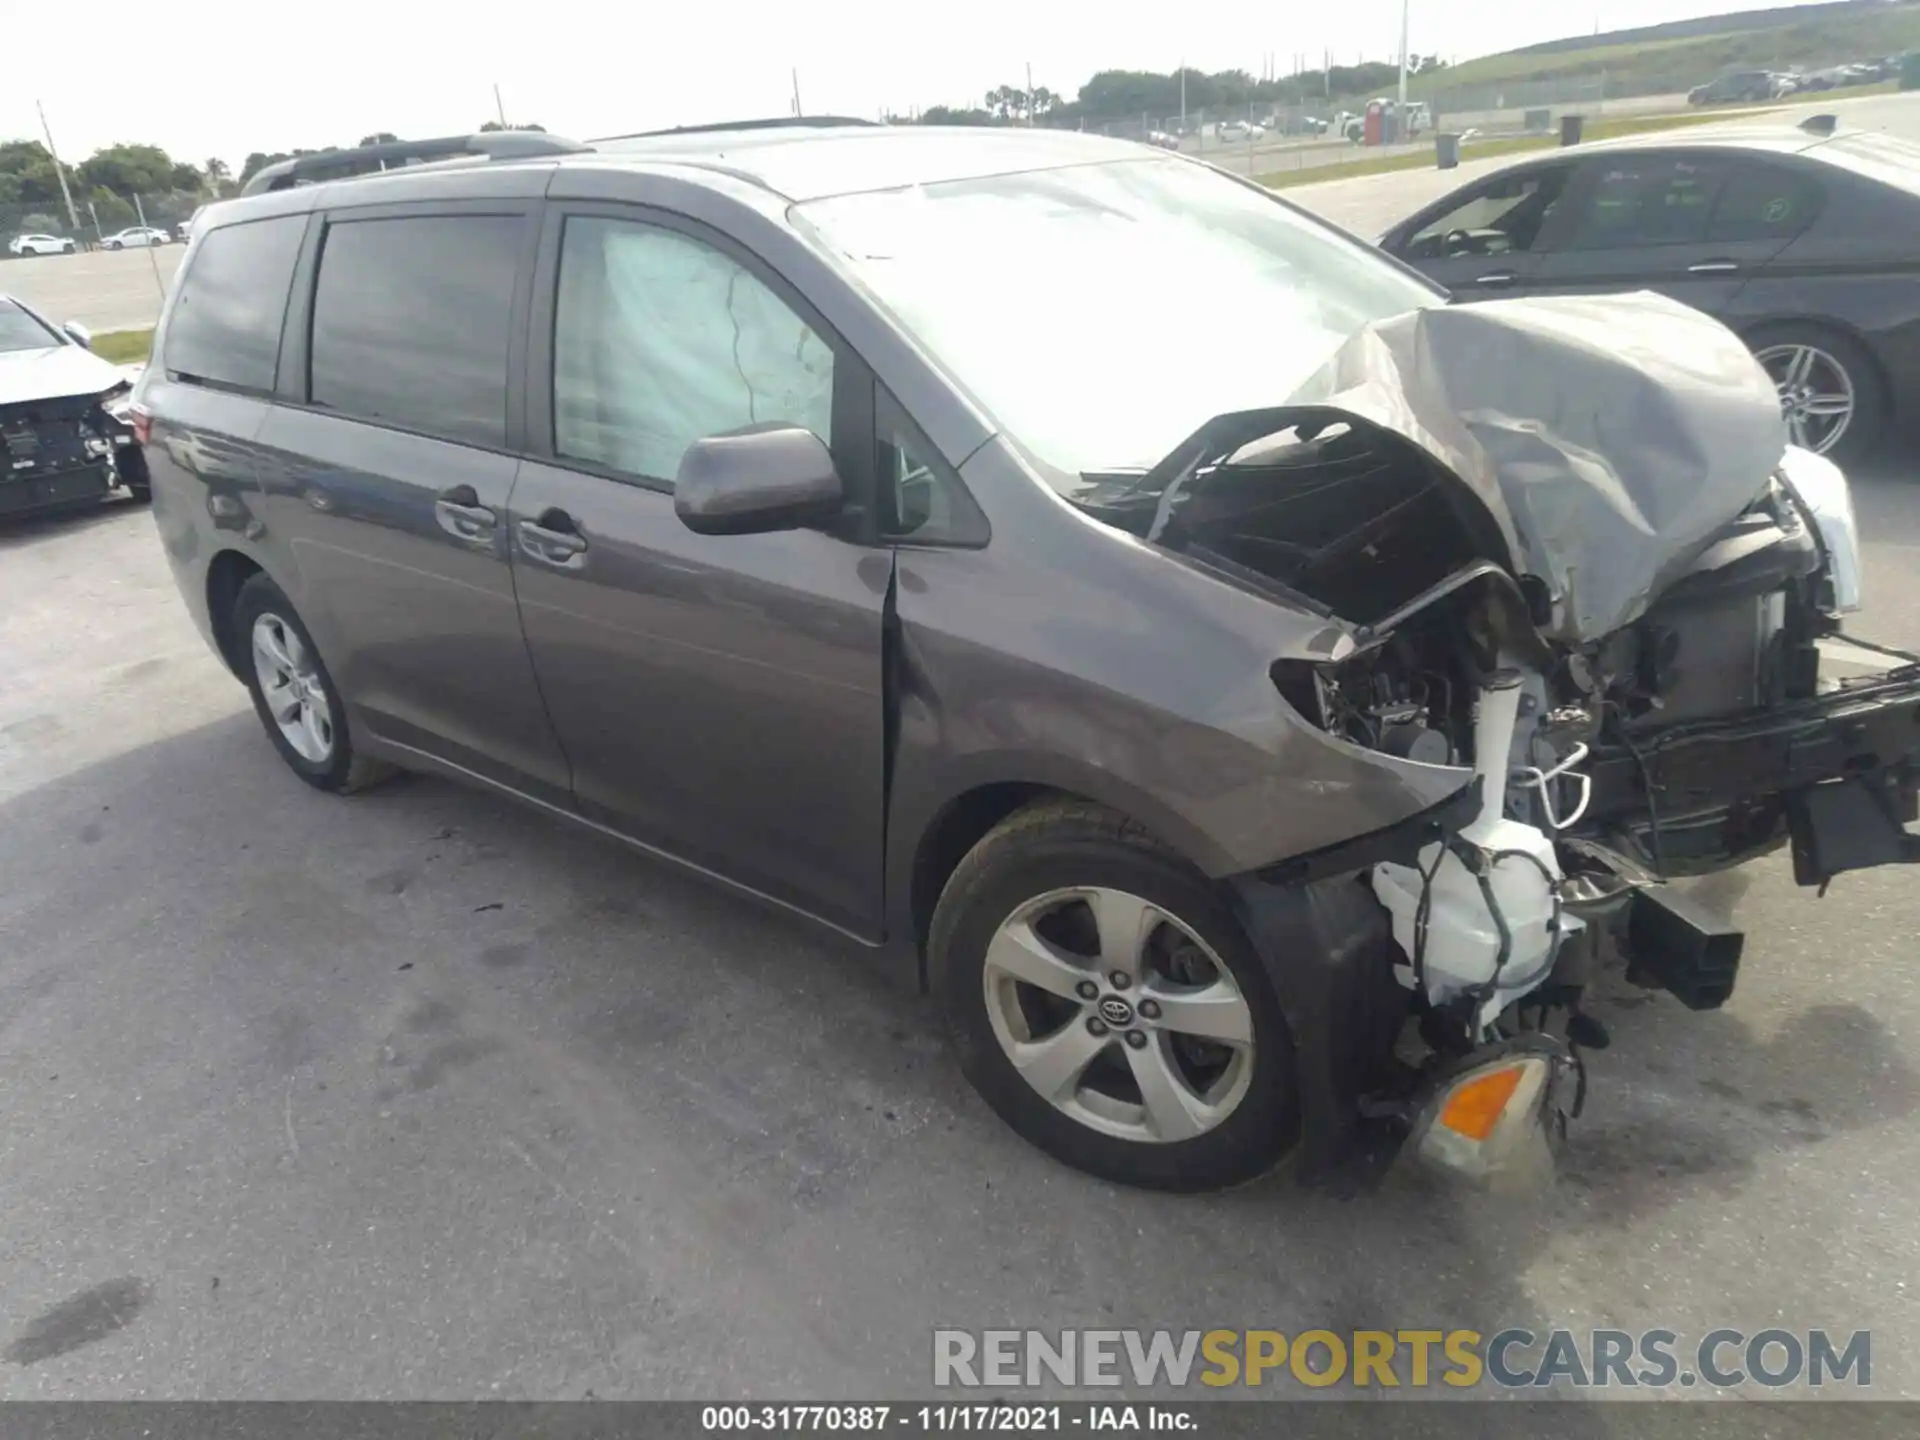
[225, 325]
[660, 340]
[411, 318]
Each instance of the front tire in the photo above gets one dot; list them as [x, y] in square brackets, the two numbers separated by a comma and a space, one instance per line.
[1106, 1004]
[293, 694]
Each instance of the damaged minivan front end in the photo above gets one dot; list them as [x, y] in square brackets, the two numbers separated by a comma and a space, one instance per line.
[1569, 561]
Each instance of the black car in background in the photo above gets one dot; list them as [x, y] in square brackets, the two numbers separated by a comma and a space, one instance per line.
[1804, 241]
[1752, 86]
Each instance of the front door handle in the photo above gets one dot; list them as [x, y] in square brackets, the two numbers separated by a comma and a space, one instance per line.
[553, 539]
[1498, 277]
[460, 513]
[1714, 267]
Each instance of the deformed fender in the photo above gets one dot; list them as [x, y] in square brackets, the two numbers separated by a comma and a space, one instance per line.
[1328, 951]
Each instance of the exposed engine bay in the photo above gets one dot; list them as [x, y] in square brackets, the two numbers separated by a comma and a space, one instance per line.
[1631, 636]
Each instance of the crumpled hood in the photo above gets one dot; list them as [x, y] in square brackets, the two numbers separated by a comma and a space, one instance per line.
[1608, 437]
[54, 373]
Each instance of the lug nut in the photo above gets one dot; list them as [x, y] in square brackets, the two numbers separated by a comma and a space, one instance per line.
[1087, 990]
[1096, 1026]
[1121, 980]
[1137, 1039]
[1149, 1010]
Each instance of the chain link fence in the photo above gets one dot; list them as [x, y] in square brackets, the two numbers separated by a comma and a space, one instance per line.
[100, 219]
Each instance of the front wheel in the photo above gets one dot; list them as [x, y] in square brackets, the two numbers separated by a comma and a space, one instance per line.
[1105, 1002]
[293, 694]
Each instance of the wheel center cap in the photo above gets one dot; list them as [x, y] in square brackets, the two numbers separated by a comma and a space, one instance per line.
[1116, 1012]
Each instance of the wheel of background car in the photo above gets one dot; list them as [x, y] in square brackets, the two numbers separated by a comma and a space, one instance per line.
[1105, 1003]
[293, 694]
[1832, 396]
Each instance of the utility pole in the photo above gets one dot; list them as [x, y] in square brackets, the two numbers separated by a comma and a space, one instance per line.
[73, 215]
[796, 92]
[1405, 6]
[1183, 96]
[499, 109]
[1029, 92]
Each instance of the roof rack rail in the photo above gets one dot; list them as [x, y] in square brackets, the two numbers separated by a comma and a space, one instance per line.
[807, 122]
[372, 159]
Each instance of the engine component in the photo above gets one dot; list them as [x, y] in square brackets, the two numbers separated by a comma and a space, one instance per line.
[1480, 918]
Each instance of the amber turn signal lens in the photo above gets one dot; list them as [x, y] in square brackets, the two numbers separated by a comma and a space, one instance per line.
[1475, 1108]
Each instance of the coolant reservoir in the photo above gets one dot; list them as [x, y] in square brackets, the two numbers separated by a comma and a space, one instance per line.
[1462, 948]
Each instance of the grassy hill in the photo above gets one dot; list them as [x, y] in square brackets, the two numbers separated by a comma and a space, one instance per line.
[1656, 59]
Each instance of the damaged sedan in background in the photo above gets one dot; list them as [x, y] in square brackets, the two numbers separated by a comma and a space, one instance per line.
[67, 437]
[1252, 786]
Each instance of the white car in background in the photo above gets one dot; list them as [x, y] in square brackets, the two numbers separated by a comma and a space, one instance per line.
[135, 237]
[1239, 130]
[40, 245]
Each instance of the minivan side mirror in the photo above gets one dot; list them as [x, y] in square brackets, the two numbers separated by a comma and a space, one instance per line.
[78, 333]
[766, 477]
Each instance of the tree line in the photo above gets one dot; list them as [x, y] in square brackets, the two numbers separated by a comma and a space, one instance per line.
[1123, 95]
[105, 183]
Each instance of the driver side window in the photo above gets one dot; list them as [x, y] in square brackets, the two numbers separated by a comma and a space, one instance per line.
[1503, 217]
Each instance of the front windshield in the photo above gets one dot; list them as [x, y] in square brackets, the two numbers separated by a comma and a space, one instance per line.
[20, 331]
[1102, 313]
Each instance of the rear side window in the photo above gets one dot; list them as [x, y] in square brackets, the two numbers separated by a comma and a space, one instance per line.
[225, 326]
[1650, 201]
[410, 323]
[1764, 202]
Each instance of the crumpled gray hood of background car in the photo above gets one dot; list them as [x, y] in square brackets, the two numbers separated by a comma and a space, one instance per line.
[1609, 438]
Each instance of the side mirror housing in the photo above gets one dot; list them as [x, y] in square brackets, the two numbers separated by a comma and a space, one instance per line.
[78, 333]
[755, 480]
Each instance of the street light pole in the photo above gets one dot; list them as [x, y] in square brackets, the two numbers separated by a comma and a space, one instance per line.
[73, 216]
[1405, 5]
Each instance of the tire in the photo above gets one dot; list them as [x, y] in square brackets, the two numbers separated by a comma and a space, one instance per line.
[1068, 846]
[1866, 431]
[339, 769]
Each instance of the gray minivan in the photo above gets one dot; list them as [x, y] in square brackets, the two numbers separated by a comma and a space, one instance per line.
[1200, 649]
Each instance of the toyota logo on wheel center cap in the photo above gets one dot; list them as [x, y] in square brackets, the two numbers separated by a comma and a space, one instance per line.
[1115, 1011]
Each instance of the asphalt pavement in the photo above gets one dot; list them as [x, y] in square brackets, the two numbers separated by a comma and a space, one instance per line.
[418, 1094]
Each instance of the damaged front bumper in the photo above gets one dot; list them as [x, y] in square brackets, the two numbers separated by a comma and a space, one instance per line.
[1835, 773]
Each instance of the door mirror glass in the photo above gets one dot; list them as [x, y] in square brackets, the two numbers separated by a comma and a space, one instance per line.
[772, 476]
[78, 333]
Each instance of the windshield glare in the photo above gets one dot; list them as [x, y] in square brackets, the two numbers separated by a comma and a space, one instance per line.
[1102, 313]
[20, 331]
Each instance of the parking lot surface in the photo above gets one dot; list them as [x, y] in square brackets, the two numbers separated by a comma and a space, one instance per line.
[417, 1094]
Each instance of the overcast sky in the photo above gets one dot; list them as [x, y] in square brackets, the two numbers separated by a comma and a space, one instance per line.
[219, 77]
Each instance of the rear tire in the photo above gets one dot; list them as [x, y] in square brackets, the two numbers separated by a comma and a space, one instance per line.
[1149, 1100]
[1833, 350]
[320, 751]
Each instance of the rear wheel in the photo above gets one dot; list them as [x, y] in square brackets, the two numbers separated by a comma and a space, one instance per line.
[1831, 396]
[1106, 1004]
[294, 695]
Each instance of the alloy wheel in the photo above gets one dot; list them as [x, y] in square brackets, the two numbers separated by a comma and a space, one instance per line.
[290, 683]
[1816, 394]
[1116, 1013]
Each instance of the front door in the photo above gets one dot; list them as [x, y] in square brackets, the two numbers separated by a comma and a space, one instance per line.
[719, 696]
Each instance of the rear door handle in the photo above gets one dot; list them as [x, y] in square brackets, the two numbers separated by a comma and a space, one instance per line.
[459, 512]
[553, 539]
[1714, 267]
[1498, 277]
